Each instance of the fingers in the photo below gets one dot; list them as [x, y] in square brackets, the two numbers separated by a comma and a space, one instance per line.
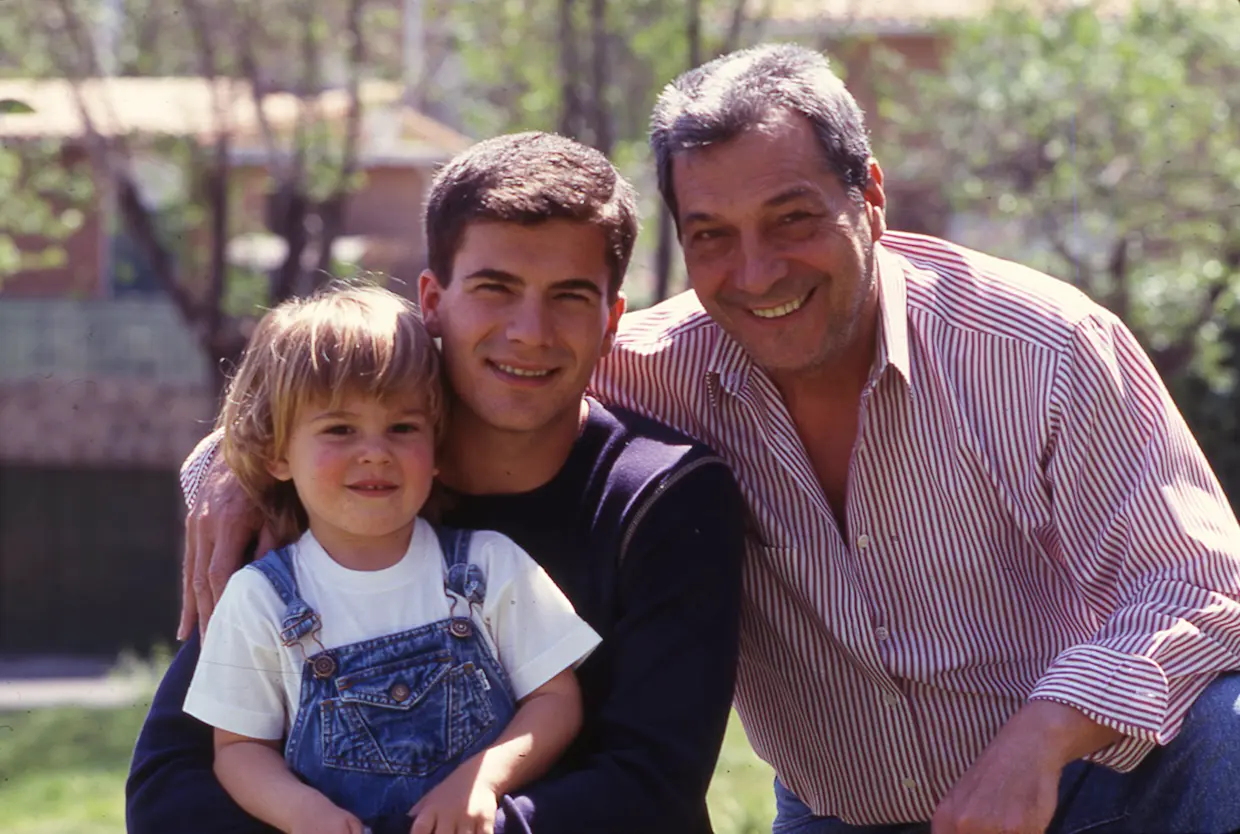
[220, 525]
[267, 541]
[204, 545]
[424, 824]
[189, 602]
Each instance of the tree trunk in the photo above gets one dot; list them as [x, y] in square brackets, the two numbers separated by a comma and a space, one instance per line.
[663, 256]
[601, 130]
[570, 72]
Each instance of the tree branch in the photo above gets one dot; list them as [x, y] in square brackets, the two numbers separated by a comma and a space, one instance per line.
[1119, 297]
[600, 61]
[217, 174]
[331, 210]
[570, 71]
[135, 216]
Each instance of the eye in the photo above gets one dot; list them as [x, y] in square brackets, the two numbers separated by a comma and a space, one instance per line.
[706, 235]
[574, 296]
[408, 427]
[339, 429]
[491, 287]
[795, 217]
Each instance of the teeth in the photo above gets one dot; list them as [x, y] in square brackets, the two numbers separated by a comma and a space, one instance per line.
[509, 369]
[780, 311]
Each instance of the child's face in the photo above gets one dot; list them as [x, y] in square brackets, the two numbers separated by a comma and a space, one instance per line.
[363, 472]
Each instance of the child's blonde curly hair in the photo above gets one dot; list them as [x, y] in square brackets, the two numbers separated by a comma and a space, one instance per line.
[347, 339]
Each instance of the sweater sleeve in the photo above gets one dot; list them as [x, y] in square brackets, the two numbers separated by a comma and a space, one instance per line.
[171, 785]
[674, 652]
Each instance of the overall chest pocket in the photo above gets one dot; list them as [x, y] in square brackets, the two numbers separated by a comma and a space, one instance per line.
[405, 718]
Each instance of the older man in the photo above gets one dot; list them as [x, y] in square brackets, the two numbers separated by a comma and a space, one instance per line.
[994, 581]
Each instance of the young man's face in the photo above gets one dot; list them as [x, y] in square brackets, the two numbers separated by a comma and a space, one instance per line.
[523, 320]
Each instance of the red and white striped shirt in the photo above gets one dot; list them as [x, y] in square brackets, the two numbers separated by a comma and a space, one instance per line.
[1028, 517]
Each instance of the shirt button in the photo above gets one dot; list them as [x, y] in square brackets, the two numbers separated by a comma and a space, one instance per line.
[891, 699]
[863, 541]
[910, 784]
[881, 633]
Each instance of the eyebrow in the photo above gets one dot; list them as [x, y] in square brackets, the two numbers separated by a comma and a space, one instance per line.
[490, 274]
[500, 276]
[344, 414]
[791, 195]
[796, 192]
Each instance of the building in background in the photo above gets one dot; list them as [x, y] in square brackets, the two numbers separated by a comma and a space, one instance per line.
[104, 389]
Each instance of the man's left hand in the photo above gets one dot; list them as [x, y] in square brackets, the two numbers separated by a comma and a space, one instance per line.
[1013, 787]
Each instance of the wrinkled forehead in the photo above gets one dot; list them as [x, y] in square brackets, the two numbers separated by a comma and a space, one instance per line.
[759, 167]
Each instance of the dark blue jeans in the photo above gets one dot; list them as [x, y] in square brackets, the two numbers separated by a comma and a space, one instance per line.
[1191, 786]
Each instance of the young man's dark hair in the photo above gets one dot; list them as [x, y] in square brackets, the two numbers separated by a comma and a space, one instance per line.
[530, 178]
[731, 94]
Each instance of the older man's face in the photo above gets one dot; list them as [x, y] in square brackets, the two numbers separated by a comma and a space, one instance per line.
[779, 253]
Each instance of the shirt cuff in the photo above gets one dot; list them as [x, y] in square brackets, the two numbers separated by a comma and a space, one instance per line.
[1128, 693]
[514, 815]
[194, 470]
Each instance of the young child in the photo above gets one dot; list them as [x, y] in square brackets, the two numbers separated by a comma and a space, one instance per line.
[406, 668]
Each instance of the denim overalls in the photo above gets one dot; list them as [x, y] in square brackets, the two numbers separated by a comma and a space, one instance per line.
[383, 721]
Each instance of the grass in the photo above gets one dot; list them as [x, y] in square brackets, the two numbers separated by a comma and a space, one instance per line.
[62, 771]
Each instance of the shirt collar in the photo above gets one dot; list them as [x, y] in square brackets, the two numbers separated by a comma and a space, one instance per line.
[730, 367]
[892, 315]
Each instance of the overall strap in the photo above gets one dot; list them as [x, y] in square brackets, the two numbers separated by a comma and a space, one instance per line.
[464, 579]
[299, 618]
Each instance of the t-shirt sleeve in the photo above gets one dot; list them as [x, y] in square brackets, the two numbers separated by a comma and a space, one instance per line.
[536, 632]
[238, 684]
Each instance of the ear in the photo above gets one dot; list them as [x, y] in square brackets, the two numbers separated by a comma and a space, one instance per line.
[430, 291]
[876, 202]
[279, 469]
[613, 323]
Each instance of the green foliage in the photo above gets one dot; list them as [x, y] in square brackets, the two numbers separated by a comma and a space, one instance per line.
[44, 204]
[1093, 134]
[1102, 149]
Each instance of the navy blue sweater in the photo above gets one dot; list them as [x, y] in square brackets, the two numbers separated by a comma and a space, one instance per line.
[649, 551]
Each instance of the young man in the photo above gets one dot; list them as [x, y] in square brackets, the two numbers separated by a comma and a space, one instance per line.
[529, 238]
[995, 581]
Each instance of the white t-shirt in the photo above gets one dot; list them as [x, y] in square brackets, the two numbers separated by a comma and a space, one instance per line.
[248, 683]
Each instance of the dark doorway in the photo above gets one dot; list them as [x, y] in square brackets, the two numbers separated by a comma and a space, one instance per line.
[89, 559]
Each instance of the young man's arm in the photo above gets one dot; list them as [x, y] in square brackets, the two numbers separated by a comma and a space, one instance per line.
[674, 651]
[171, 785]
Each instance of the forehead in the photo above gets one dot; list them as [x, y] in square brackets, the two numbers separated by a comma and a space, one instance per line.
[356, 399]
[543, 253]
[740, 175]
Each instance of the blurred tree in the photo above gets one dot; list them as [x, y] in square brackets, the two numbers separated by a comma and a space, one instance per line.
[589, 69]
[33, 221]
[272, 46]
[1105, 149]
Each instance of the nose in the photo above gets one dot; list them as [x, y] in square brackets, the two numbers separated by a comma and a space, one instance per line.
[530, 323]
[760, 268]
[374, 450]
